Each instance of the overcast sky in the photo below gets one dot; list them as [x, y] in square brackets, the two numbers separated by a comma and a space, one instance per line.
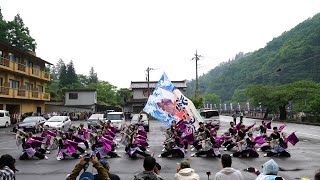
[120, 39]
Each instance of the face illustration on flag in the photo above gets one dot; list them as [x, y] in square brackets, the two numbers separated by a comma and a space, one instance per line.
[167, 103]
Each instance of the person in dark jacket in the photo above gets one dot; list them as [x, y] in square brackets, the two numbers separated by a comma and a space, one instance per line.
[102, 172]
[149, 164]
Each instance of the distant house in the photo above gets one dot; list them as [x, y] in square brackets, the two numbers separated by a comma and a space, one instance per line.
[140, 94]
[81, 100]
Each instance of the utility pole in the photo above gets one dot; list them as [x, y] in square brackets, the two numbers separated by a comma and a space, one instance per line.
[148, 78]
[196, 58]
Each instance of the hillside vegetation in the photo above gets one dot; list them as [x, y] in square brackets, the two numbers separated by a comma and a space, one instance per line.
[293, 56]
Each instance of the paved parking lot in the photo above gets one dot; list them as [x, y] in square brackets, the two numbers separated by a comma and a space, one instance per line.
[305, 156]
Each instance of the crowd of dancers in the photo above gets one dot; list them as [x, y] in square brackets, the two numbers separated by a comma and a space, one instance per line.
[241, 140]
[77, 141]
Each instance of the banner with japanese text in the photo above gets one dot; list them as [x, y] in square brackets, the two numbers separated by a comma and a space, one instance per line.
[167, 103]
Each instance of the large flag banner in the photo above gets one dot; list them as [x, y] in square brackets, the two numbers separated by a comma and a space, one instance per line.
[167, 103]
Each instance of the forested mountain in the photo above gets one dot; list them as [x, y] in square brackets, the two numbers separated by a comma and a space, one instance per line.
[293, 56]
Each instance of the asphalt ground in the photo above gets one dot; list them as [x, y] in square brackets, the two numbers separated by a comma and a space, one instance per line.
[305, 156]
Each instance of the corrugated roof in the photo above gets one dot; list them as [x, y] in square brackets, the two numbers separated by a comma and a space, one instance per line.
[144, 84]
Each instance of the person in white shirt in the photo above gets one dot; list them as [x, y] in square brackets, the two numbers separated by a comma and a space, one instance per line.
[228, 173]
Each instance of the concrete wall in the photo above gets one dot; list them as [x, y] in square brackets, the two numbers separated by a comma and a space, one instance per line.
[140, 93]
[84, 98]
[24, 105]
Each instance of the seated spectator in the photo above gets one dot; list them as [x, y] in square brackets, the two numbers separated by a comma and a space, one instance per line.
[228, 173]
[149, 164]
[317, 175]
[102, 172]
[106, 165]
[270, 171]
[7, 167]
[185, 172]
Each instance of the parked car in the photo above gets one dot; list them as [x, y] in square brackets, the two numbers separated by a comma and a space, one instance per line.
[28, 114]
[46, 116]
[62, 123]
[145, 120]
[211, 116]
[31, 124]
[117, 119]
[4, 118]
[94, 120]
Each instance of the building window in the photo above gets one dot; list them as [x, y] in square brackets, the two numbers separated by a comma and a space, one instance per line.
[29, 87]
[73, 95]
[40, 88]
[14, 84]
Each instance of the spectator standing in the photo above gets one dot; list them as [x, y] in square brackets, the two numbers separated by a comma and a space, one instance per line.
[106, 165]
[185, 172]
[7, 167]
[149, 164]
[228, 173]
[270, 171]
[234, 115]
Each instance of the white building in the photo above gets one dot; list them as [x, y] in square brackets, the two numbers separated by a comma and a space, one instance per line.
[80, 97]
[140, 94]
[76, 100]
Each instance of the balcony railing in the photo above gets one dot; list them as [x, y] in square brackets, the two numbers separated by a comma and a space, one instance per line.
[7, 92]
[4, 91]
[21, 92]
[5, 62]
[23, 69]
[46, 75]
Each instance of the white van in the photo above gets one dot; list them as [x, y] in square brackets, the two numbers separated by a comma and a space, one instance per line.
[211, 116]
[4, 118]
[117, 119]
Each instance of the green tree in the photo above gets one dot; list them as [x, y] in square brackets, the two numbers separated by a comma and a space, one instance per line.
[19, 35]
[93, 77]
[198, 102]
[211, 98]
[83, 80]
[106, 93]
[293, 56]
[72, 77]
[239, 96]
[124, 95]
[3, 28]
[63, 79]
[262, 95]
